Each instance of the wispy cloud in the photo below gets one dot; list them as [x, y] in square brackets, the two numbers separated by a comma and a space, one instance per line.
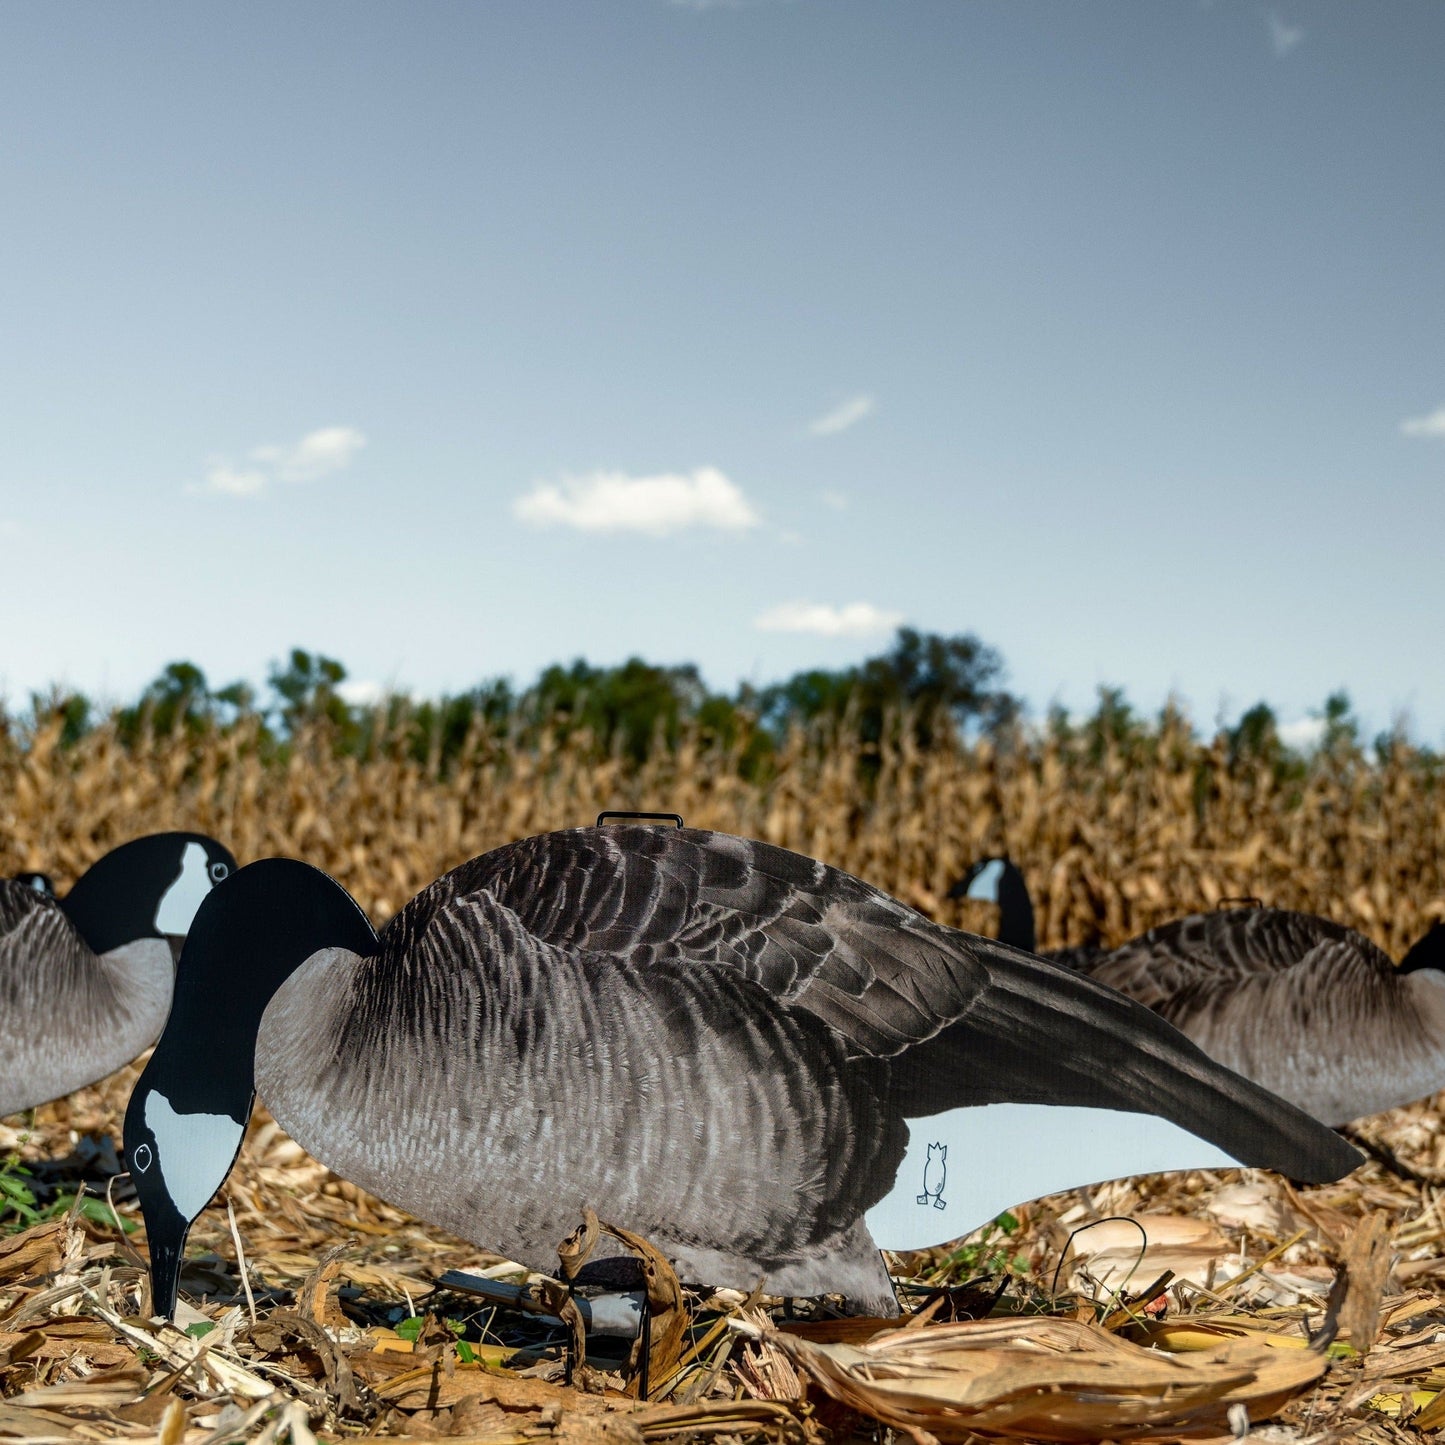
[837, 500]
[318, 454]
[656, 506]
[357, 692]
[1302, 734]
[1432, 425]
[12, 531]
[1282, 35]
[231, 481]
[853, 619]
[846, 414]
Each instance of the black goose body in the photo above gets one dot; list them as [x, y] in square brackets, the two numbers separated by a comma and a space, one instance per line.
[1307, 1007]
[731, 1048]
[85, 980]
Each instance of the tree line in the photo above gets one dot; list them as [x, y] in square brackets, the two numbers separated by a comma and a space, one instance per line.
[930, 685]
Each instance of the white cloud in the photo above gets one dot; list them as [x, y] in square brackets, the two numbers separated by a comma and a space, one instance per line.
[846, 414]
[1302, 734]
[358, 693]
[1282, 35]
[837, 500]
[11, 530]
[656, 506]
[853, 619]
[318, 454]
[232, 481]
[1425, 426]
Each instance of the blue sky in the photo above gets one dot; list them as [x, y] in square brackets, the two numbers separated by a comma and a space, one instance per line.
[455, 339]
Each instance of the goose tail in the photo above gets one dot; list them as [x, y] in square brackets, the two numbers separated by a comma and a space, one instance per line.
[1042, 1034]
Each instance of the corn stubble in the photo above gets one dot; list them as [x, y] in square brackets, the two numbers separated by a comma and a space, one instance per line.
[1111, 844]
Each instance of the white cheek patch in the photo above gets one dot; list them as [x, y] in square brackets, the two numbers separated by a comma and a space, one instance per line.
[179, 903]
[195, 1152]
[985, 886]
[966, 1166]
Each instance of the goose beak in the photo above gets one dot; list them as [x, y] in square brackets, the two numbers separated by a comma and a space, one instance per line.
[167, 1246]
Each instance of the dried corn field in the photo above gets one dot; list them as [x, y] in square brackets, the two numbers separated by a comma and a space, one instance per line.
[1110, 845]
[336, 1326]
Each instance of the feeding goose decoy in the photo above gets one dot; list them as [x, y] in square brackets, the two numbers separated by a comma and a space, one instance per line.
[85, 980]
[1309, 1008]
[759, 1062]
[997, 880]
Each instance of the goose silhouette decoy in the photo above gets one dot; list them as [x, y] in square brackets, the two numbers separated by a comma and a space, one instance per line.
[85, 980]
[761, 1063]
[997, 880]
[1309, 1008]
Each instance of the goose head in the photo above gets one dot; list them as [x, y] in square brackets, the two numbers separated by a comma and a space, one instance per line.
[997, 880]
[148, 888]
[187, 1114]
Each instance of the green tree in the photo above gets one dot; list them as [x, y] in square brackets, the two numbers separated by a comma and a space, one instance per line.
[1342, 727]
[73, 709]
[1255, 735]
[181, 698]
[439, 729]
[925, 673]
[306, 687]
[625, 707]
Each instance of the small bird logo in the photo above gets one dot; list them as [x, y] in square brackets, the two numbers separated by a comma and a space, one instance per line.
[935, 1175]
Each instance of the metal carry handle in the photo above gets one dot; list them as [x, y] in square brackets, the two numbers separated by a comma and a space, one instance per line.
[674, 818]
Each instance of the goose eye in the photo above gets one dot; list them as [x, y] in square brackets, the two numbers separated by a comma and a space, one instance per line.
[218, 872]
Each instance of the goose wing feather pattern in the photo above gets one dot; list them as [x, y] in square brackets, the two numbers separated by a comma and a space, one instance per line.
[971, 1021]
[1186, 967]
[874, 969]
[1308, 1007]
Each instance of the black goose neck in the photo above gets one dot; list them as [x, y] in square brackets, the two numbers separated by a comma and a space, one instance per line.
[249, 936]
[1016, 910]
[1428, 952]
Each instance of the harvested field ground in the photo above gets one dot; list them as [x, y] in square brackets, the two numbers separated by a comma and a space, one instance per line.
[350, 1336]
[334, 1272]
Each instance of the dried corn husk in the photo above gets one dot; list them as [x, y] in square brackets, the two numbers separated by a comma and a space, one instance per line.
[1049, 1379]
[1126, 1253]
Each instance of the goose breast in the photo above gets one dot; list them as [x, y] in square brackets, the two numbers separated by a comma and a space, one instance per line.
[496, 1084]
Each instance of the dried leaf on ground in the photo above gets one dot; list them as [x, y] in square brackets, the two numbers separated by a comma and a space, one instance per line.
[1049, 1379]
[664, 1301]
[1121, 1254]
[1365, 1271]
